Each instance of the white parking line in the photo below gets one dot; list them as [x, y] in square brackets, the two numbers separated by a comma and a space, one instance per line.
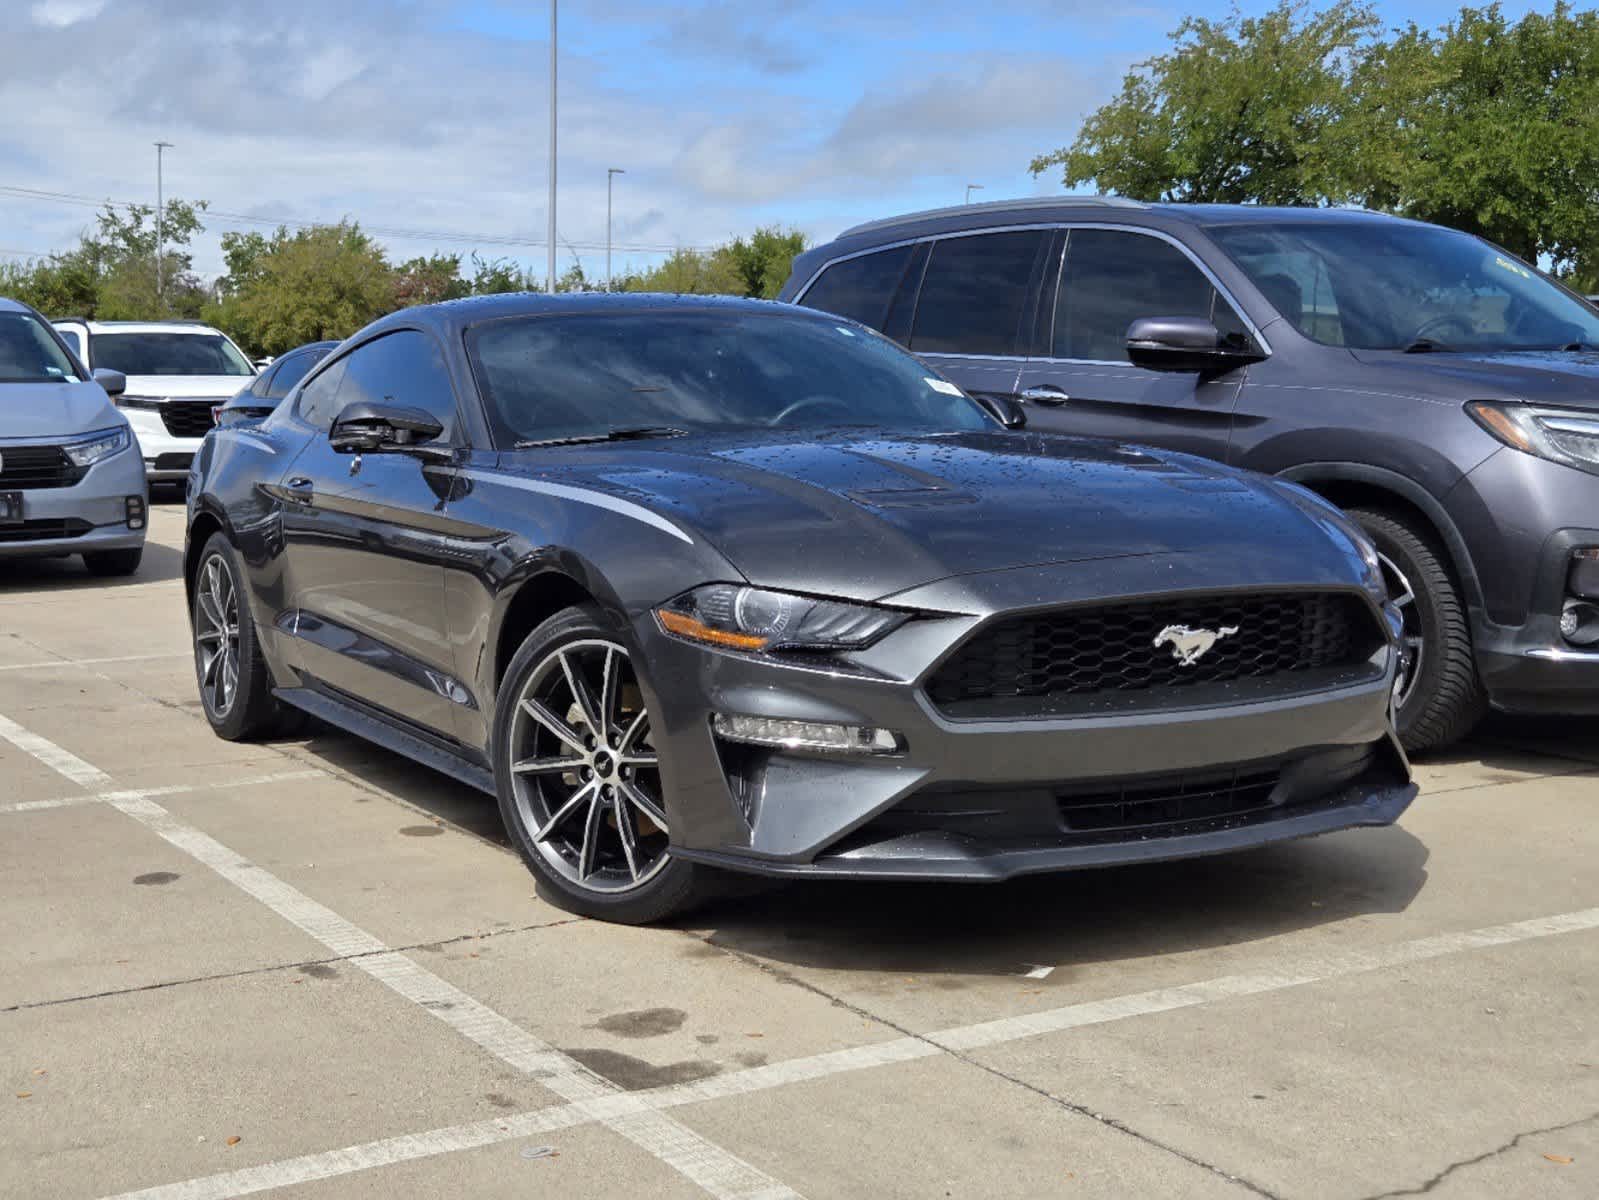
[92, 662]
[455, 1138]
[171, 789]
[718, 1171]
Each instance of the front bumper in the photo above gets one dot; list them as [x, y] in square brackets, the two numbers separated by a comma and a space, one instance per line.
[988, 799]
[92, 513]
[1530, 668]
[166, 458]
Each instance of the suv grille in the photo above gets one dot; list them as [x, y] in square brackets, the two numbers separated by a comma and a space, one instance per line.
[1111, 648]
[188, 418]
[23, 467]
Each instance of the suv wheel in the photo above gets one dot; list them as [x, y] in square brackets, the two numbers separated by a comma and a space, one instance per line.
[1438, 698]
[579, 778]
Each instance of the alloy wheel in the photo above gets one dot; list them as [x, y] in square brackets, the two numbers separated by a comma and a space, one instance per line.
[1411, 643]
[216, 635]
[584, 774]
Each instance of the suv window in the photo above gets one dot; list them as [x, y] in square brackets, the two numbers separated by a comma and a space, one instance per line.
[406, 368]
[290, 371]
[974, 293]
[28, 354]
[168, 354]
[1111, 278]
[73, 339]
[860, 288]
[319, 399]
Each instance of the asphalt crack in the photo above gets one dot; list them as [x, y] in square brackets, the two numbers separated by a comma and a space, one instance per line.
[1072, 1106]
[1485, 1156]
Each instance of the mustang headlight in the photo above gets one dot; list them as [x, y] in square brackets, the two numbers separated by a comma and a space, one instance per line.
[1562, 435]
[89, 450]
[746, 618]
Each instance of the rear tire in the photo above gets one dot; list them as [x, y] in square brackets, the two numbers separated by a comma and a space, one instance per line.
[235, 685]
[1446, 699]
[589, 779]
[113, 562]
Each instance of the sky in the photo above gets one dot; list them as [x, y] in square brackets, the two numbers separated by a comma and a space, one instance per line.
[427, 120]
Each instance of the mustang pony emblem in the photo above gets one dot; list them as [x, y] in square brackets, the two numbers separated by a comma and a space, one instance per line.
[1188, 646]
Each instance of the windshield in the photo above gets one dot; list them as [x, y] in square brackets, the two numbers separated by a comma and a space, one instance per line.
[28, 354]
[1381, 285]
[167, 354]
[573, 376]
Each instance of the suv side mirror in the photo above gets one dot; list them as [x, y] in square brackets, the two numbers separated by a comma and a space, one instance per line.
[114, 382]
[1184, 344]
[365, 428]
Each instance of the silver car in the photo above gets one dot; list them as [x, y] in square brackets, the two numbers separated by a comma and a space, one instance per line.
[71, 480]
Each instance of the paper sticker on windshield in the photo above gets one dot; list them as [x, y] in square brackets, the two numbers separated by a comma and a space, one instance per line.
[1515, 268]
[943, 385]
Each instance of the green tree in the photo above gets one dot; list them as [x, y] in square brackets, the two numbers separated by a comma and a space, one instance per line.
[495, 276]
[762, 263]
[429, 280]
[689, 272]
[321, 282]
[1238, 111]
[1487, 125]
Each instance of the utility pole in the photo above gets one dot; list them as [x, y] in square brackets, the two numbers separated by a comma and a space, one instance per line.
[610, 174]
[549, 277]
[160, 228]
[970, 188]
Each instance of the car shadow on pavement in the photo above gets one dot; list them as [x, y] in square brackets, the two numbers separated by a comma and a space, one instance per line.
[160, 563]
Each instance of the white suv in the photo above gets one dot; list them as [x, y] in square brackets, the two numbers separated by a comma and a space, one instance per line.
[177, 372]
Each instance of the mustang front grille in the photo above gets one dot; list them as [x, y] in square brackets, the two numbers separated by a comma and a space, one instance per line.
[1182, 642]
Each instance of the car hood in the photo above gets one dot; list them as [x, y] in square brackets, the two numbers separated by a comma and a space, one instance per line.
[1556, 377]
[54, 410]
[864, 516]
[187, 387]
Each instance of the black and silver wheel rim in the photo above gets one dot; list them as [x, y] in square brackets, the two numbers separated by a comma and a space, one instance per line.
[584, 773]
[216, 635]
[1411, 644]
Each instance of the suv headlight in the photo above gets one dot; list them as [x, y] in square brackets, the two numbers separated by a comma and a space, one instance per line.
[89, 450]
[1562, 435]
[731, 617]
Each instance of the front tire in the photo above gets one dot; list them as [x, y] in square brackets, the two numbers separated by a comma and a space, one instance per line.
[578, 776]
[1439, 697]
[113, 562]
[235, 686]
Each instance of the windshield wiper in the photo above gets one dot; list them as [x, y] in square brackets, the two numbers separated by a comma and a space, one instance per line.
[1425, 346]
[625, 433]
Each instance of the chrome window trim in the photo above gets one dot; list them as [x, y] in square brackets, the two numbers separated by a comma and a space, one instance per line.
[1115, 227]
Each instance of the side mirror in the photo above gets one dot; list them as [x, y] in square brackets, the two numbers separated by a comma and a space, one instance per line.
[1004, 410]
[114, 382]
[365, 428]
[1184, 344]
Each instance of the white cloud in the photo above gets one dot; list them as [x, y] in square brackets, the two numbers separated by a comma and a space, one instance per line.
[61, 13]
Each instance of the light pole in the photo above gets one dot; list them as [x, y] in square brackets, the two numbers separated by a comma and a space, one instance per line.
[970, 188]
[160, 228]
[549, 278]
[610, 174]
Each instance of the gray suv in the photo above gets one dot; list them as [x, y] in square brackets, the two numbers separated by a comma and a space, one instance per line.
[1440, 389]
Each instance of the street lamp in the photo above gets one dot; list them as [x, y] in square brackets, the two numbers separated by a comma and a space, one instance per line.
[549, 279]
[610, 174]
[160, 227]
[970, 188]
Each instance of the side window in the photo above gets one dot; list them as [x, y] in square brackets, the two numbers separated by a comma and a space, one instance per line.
[860, 288]
[290, 371]
[401, 368]
[71, 338]
[263, 381]
[1112, 278]
[319, 399]
[975, 292]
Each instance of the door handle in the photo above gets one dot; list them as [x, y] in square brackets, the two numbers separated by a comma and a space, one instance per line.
[1047, 395]
[300, 486]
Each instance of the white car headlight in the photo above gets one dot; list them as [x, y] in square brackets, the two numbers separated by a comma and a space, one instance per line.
[89, 450]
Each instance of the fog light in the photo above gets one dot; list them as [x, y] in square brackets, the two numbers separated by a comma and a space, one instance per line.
[807, 735]
[135, 509]
[1584, 578]
[1579, 623]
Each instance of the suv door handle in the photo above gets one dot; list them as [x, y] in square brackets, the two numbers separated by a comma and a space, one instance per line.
[1046, 394]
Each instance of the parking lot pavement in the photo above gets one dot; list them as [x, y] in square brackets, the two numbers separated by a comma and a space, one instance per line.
[310, 969]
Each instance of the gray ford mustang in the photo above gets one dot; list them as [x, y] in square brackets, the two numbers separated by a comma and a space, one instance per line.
[694, 584]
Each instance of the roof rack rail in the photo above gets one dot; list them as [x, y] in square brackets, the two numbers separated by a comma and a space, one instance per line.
[1027, 202]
